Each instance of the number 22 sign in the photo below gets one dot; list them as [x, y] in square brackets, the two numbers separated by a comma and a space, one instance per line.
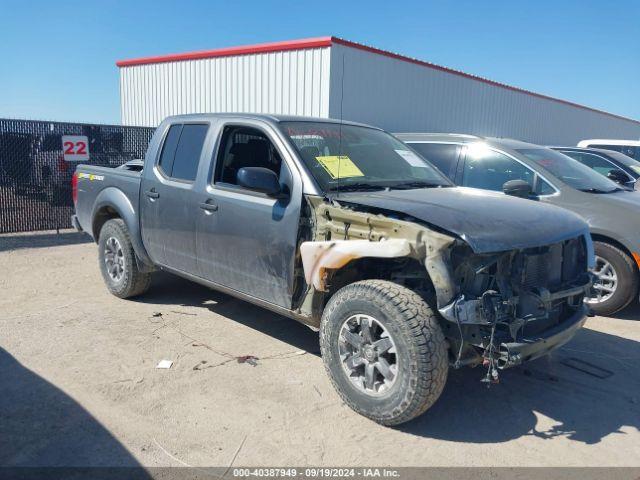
[75, 148]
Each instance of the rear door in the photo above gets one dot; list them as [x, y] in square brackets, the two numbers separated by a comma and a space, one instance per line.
[168, 198]
[247, 241]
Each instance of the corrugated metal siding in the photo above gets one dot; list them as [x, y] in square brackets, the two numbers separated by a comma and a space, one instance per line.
[292, 82]
[404, 97]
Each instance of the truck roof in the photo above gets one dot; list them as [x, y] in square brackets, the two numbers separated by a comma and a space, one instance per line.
[271, 118]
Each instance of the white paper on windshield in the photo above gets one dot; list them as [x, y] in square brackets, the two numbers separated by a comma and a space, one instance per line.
[411, 158]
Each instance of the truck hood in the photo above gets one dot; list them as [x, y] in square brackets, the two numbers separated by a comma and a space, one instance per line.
[487, 221]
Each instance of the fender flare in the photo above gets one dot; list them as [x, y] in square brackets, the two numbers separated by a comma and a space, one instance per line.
[116, 199]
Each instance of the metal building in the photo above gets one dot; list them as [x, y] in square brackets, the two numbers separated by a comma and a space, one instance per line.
[332, 77]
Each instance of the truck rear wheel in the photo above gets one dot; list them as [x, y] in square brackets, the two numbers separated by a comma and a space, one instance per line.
[384, 351]
[616, 283]
[118, 261]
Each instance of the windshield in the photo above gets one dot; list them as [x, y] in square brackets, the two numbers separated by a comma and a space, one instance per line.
[348, 157]
[570, 171]
[625, 160]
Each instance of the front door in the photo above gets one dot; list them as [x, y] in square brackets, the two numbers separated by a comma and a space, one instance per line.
[247, 240]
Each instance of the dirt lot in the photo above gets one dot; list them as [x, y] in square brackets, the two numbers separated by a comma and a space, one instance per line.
[79, 384]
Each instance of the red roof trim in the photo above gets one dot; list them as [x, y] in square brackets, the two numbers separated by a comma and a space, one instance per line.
[227, 52]
[327, 42]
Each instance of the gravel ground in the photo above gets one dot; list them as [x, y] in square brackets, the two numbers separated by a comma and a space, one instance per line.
[79, 384]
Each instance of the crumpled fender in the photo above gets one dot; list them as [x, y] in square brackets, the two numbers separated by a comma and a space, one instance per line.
[317, 257]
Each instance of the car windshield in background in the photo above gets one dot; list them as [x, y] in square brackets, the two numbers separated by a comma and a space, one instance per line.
[625, 160]
[570, 171]
[353, 158]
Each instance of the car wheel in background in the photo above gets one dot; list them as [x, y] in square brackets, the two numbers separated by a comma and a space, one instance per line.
[616, 283]
[384, 351]
[118, 263]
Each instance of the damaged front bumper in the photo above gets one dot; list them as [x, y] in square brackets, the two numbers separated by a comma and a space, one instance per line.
[514, 353]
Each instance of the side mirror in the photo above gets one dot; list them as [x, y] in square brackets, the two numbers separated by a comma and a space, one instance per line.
[517, 188]
[617, 176]
[259, 179]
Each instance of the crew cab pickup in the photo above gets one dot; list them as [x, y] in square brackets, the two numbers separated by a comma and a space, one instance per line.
[343, 227]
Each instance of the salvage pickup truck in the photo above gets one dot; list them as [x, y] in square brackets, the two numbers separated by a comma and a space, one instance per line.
[343, 227]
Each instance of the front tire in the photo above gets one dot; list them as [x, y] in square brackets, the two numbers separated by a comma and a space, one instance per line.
[118, 263]
[384, 351]
[617, 280]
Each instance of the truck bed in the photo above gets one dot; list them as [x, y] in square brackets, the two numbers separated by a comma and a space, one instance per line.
[96, 183]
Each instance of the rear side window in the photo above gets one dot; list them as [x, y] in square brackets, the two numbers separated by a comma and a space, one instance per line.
[169, 149]
[443, 156]
[181, 151]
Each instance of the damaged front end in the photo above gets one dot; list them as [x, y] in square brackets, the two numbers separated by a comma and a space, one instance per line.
[514, 306]
[497, 309]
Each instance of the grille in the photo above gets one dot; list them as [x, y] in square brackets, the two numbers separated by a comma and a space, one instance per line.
[558, 264]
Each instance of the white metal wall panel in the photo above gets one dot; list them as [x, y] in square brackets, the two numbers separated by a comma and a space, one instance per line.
[406, 97]
[292, 82]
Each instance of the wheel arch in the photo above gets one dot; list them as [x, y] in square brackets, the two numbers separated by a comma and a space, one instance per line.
[598, 237]
[113, 203]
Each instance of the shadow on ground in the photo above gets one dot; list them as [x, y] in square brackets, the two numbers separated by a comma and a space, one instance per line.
[578, 405]
[632, 312]
[41, 426]
[42, 240]
[168, 290]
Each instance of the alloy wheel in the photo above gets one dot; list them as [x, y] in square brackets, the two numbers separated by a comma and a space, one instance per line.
[114, 259]
[606, 281]
[368, 354]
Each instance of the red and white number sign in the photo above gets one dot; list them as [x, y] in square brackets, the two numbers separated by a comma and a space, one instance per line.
[75, 147]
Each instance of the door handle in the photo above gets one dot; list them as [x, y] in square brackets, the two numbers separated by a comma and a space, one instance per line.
[209, 207]
[152, 194]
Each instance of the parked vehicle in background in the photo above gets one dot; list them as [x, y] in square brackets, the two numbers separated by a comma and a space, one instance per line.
[52, 169]
[547, 176]
[15, 161]
[344, 228]
[631, 148]
[615, 166]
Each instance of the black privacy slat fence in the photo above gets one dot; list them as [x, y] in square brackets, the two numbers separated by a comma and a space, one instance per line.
[37, 161]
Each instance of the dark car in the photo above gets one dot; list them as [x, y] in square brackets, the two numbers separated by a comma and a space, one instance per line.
[548, 176]
[614, 165]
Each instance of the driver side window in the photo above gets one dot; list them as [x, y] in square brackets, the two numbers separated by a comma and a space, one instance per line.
[490, 170]
[244, 147]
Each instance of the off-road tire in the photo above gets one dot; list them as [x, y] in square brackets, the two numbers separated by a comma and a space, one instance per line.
[420, 344]
[627, 272]
[133, 281]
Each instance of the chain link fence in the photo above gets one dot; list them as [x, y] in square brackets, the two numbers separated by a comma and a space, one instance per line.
[37, 161]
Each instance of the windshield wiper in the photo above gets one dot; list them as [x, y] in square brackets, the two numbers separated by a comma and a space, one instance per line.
[416, 184]
[355, 187]
[597, 190]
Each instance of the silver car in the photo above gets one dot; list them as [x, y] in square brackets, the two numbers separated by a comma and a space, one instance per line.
[545, 175]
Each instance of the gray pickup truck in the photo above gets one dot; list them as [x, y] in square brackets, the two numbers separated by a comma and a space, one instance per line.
[346, 229]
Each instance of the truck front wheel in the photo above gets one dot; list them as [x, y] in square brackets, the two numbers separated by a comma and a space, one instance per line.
[384, 351]
[118, 261]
